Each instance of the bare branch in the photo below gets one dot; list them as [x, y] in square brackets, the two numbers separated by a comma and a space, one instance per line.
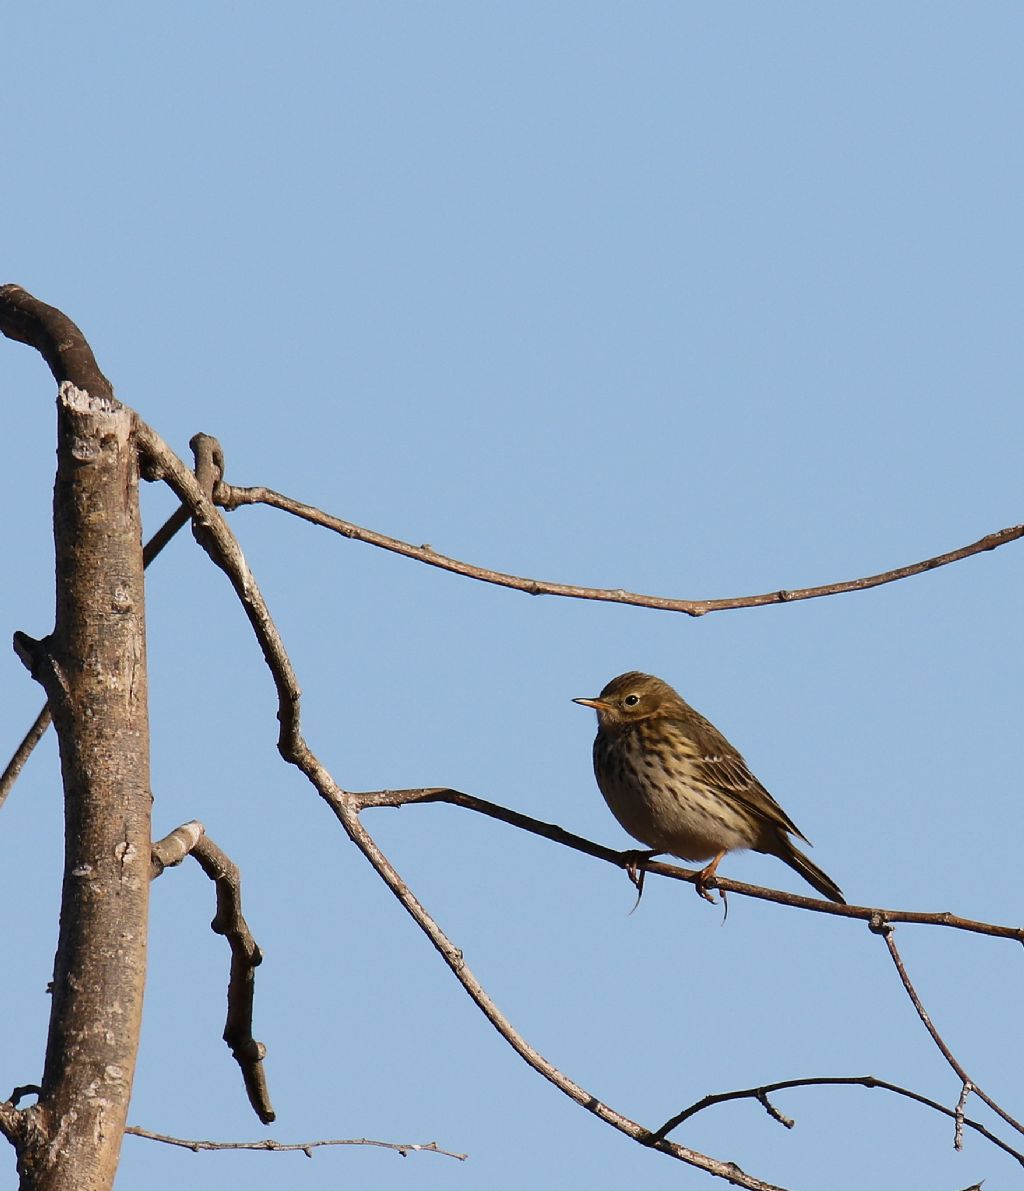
[866, 1081]
[772, 1111]
[191, 839]
[230, 497]
[881, 927]
[170, 851]
[213, 534]
[177, 520]
[61, 344]
[23, 752]
[402, 1148]
[623, 860]
[961, 1108]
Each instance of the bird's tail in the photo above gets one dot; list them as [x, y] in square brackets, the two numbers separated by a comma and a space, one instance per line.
[810, 872]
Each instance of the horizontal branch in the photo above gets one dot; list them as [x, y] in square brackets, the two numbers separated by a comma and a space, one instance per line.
[625, 860]
[306, 1147]
[230, 497]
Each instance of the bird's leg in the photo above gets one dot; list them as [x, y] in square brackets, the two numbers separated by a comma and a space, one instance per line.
[706, 878]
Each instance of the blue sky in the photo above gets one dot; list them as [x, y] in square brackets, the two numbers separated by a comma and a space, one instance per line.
[694, 300]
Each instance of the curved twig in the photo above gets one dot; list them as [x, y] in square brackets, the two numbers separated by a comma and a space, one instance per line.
[57, 339]
[762, 1093]
[230, 497]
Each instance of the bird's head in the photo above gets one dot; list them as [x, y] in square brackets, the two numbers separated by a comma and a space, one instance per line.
[630, 698]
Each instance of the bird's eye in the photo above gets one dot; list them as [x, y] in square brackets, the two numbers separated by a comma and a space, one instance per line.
[631, 701]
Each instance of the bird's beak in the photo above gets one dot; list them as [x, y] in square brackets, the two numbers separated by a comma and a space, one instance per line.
[595, 703]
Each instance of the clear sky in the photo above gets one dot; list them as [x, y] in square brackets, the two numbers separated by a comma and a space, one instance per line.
[699, 300]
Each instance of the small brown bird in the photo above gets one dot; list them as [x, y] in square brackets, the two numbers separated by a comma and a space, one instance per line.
[677, 785]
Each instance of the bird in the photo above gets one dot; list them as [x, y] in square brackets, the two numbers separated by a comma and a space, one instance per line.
[677, 785]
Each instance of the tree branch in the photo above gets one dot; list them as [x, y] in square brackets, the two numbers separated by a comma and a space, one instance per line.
[867, 1081]
[881, 927]
[402, 1148]
[191, 840]
[23, 752]
[624, 860]
[230, 497]
[212, 532]
[61, 344]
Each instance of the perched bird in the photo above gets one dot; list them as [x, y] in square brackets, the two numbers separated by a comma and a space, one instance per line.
[677, 785]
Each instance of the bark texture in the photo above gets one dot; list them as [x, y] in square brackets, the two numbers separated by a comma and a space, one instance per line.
[93, 668]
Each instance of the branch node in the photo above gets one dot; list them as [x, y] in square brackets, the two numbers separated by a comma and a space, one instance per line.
[30, 652]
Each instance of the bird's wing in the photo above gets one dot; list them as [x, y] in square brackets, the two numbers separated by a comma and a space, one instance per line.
[724, 769]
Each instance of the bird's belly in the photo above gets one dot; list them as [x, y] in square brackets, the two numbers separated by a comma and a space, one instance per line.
[687, 822]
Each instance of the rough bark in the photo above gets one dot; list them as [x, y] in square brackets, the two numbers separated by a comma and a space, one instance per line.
[93, 668]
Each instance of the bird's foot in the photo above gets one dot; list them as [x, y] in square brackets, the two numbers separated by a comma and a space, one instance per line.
[633, 859]
[706, 880]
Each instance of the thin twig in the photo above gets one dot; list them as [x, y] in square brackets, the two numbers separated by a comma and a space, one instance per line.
[306, 1147]
[961, 1108]
[881, 927]
[23, 752]
[191, 840]
[213, 534]
[230, 497]
[866, 1081]
[430, 794]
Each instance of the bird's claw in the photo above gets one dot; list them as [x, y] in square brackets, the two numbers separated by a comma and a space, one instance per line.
[636, 874]
[707, 880]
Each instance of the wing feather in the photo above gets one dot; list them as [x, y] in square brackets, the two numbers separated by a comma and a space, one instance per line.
[722, 767]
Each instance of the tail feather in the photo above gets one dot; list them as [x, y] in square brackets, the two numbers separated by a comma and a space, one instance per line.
[810, 872]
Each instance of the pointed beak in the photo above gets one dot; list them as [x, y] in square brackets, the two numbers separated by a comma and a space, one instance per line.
[595, 703]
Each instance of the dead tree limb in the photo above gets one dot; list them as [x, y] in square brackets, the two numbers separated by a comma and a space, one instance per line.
[191, 840]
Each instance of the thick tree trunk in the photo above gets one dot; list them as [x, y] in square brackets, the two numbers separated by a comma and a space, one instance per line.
[93, 669]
